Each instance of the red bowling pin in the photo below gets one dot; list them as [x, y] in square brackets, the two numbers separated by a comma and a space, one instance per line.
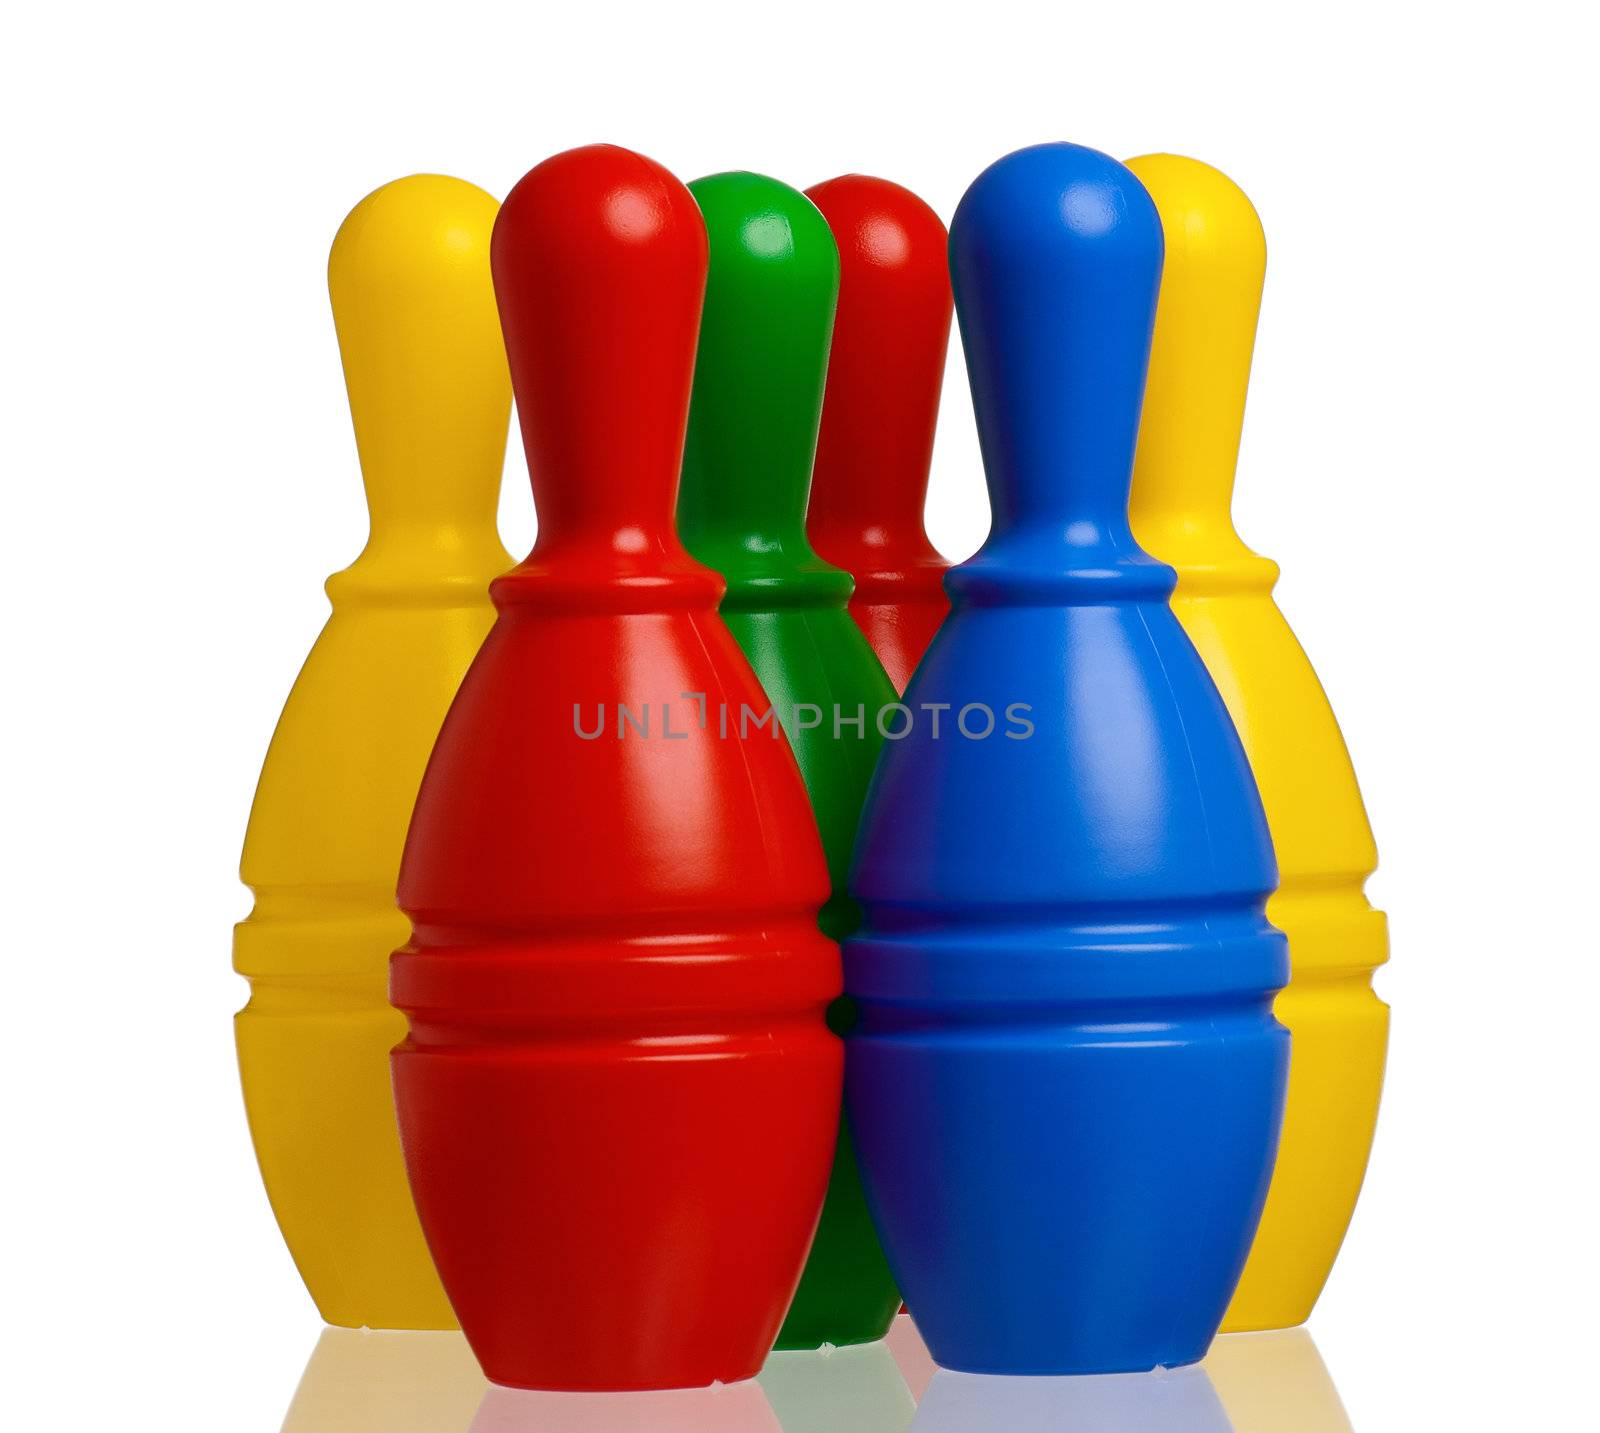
[882, 403]
[618, 1097]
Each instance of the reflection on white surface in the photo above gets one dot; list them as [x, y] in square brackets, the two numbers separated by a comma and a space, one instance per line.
[370, 1382]
[359, 1380]
[1248, 1383]
[839, 1390]
[722, 1408]
[1178, 1400]
[1275, 1381]
[911, 1354]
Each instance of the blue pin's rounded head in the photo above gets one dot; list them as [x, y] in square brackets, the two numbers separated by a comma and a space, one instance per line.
[1051, 207]
[1055, 254]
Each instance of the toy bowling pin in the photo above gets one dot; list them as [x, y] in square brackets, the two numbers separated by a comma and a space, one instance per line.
[426, 371]
[884, 376]
[747, 467]
[1182, 487]
[1066, 1081]
[618, 1097]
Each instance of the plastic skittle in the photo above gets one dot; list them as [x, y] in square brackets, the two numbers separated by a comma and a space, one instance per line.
[747, 468]
[884, 376]
[619, 1096]
[1066, 1082]
[426, 371]
[1182, 487]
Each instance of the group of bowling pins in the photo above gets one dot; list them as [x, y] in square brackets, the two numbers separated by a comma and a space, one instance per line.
[786, 924]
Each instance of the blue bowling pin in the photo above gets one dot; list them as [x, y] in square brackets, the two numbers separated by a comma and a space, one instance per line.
[1066, 1083]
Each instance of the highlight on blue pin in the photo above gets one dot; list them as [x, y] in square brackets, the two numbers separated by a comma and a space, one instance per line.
[1066, 1082]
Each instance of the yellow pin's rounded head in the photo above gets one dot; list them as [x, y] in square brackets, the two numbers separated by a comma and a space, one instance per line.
[412, 238]
[1216, 259]
[424, 362]
[1205, 217]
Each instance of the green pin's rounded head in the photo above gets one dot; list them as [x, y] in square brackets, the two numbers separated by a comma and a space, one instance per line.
[759, 377]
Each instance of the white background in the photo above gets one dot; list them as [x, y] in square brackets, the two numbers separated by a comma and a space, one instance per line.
[179, 477]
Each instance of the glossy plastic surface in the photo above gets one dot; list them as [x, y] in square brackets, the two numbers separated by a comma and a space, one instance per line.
[618, 1098]
[884, 377]
[747, 468]
[426, 371]
[1182, 489]
[1066, 1083]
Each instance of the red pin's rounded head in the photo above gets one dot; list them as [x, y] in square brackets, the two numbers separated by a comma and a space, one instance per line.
[599, 260]
[885, 370]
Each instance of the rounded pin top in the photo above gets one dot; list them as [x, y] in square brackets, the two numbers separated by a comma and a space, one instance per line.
[599, 259]
[1200, 361]
[1204, 214]
[885, 370]
[418, 231]
[885, 233]
[757, 224]
[601, 206]
[1055, 254]
[414, 307]
[1053, 207]
[759, 376]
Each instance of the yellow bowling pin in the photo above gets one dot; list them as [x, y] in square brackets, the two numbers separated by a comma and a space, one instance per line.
[431, 399]
[1182, 489]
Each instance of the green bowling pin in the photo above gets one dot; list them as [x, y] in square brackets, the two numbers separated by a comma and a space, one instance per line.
[758, 387]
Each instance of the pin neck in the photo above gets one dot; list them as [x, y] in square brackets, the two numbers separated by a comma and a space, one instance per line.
[1206, 552]
[431, 559]
[868, 539]
[445, 538]
[724, 507]
[1060, 533]
[1084, 562]
[766, 567]
[608, 568]
[871, 483]
[1182, 498]
[890, 563]
[868, 506]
